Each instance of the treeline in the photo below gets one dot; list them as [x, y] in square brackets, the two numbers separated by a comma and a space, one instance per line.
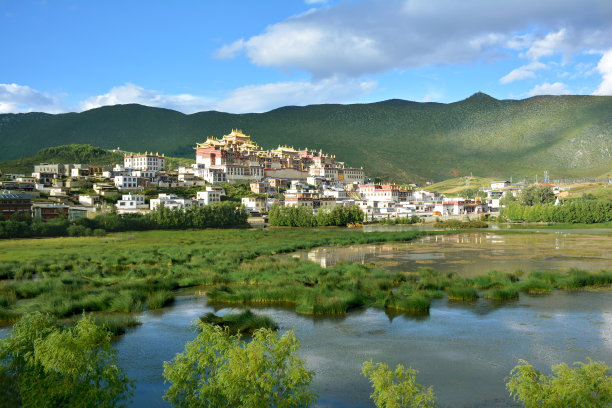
[571, 211]
[79, 153]
[218, 215]
[290, 216]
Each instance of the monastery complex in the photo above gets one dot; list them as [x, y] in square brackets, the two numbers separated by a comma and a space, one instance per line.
[236, 157]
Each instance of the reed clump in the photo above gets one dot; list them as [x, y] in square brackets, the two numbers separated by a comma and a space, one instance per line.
[503, 294]
[416, 304]
[460, 293]
[245, 322]
[535, 286]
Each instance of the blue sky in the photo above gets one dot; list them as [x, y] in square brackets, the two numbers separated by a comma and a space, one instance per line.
[254, 56]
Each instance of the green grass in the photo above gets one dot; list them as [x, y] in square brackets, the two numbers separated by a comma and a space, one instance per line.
[503, 294]
[535, 286]
[456, 224]
[159, 299]
[127, 272]
[416, 304]
[454, 185]
[462, 294]
[131, 272]
[245, 322]
[117, 324]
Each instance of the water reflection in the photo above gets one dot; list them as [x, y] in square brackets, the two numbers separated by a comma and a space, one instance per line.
[476, 253]
[465, 350]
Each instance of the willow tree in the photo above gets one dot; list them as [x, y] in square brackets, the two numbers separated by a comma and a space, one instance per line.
[219, 370]
[53, 366]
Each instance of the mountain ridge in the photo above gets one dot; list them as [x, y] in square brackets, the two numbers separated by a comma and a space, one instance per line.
[400, 140]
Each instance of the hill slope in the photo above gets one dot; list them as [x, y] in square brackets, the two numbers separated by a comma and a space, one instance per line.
[570, 136]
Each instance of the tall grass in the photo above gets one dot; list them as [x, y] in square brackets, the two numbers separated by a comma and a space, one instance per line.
[414, 304]
[503, 294]
[459, 293]
[159, 299]
[245, 322]
[121, 273]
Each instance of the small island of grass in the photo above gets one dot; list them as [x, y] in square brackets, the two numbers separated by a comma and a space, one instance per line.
[246, 322]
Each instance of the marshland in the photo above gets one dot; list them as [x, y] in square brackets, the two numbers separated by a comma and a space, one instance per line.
[398, 296]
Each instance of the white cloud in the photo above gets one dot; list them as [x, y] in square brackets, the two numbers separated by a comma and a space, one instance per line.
[261, 98]
[557, 88]
[130, 93]
[230, 51]
[432, 97]
[16, 98]
[361, 37]
[526, 71]
[315, 1]
[251, 98]
[549, 45]
[604, 67]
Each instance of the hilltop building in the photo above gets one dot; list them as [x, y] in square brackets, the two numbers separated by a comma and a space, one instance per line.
[240, 158]
[146, 161]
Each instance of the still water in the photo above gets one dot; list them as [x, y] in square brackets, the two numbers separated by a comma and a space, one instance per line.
[476, 253]
[464, 350]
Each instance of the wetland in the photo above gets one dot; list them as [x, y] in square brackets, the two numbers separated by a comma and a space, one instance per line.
[354, 303]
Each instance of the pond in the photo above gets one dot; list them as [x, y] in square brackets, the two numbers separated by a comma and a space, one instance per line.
[471, 254]
[464, 350]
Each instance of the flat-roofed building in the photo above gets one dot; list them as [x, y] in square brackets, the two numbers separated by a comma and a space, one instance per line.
[12, 203]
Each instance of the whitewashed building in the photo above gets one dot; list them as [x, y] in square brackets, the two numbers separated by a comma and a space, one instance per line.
[131, 203]
[170, 201]
[498, 185]
[126, 182]
[254, 203]
[147, 161]
[211, 195]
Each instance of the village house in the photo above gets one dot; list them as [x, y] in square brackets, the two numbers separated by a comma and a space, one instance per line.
[254, 204]
[210, 196]
[500, 185]
[131, 203]
[12, 203]
[49, 211]
[170, 201]
[126, 182]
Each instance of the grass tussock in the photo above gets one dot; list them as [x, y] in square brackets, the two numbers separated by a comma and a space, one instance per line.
[117, 324]
[462, 294]
[245, 322]
[416, 304]
[503, 294]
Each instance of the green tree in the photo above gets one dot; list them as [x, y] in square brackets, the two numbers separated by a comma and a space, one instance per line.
[585, 385]
[397, 389]
[53, 366]
[219, 370]
[537, 195]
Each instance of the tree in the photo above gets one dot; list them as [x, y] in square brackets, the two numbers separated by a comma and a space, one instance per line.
[537, 195]
[219, 370]
[53, 366]
[397, 389]
[585, 385]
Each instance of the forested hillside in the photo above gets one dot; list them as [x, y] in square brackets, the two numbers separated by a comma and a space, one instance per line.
[570, 136]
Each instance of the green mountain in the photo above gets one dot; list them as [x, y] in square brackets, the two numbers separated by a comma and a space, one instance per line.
[570, 136]
[74, 153]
